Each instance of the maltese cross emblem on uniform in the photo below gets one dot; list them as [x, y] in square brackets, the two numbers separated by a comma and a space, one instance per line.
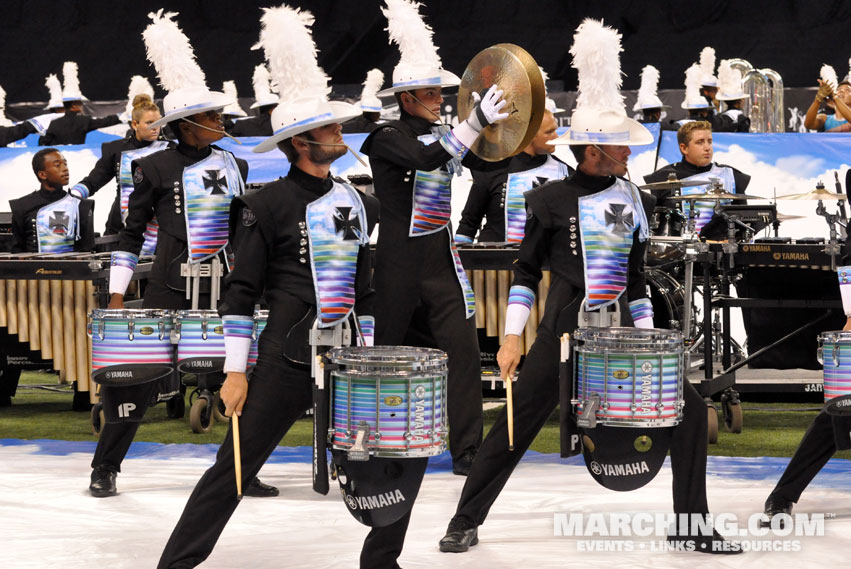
[347, 225]
[622, 222]
[215, 184]
[59, 223]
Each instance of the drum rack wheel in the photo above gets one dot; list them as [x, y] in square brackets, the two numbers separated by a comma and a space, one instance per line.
[219, 410]
[732, 409]
[712, 430]
[201, 415]
[97, 419]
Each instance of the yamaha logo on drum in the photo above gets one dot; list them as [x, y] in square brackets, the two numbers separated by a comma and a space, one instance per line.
[595, 468]
[419, 392]
[647, 367]
[392, 400]
[351, 502]
[146, 330]
[620, 374]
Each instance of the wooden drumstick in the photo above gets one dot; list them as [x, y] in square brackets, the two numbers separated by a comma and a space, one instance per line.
[237, 458]
[509, 406]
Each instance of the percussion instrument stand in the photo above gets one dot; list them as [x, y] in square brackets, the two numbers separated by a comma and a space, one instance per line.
[833, 248]
[194, 272]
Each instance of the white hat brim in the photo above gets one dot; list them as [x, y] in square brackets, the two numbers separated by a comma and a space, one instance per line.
[216, 101]
[734, 97]
[446, 79]
[637, 135]
[341, 113]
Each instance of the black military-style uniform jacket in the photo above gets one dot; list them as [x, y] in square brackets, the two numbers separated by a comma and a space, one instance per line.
[732, 120]
[158, 190]
[273, 254]
[72, 128]
[25, 209]
[108, 167]
[684, 169]
[260, 125]
[9, 134]
[487, 197]
[553, 209]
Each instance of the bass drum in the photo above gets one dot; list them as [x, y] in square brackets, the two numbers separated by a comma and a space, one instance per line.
[667, 295]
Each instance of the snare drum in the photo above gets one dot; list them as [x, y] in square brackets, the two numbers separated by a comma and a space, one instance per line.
[200, 340]
[398, 391]
[834, 352]
[629, 377]
[130, 347]
[260, 319]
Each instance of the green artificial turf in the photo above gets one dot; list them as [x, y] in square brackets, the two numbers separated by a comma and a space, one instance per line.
[770, 429]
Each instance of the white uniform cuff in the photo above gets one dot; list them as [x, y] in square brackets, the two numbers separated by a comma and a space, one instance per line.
[646, 322]
[119, 278]
[236, 353]
[465, 134]
[515, 319]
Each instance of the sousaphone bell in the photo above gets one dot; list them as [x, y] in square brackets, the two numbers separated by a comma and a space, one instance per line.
[516, 73]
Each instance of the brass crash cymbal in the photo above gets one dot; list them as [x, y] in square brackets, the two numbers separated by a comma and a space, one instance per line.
[788, 217]
[816, 194]
[674, 184]
[708, 196]
[516, 73]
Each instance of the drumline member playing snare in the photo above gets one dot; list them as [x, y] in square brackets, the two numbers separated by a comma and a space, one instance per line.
[594, 205]
[172, 184]
[303, 243]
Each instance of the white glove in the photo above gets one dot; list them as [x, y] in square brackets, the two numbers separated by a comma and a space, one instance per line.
[487, 109]
[484, 113]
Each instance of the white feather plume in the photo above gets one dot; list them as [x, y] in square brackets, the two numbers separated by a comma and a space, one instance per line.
[54, 87]
[138, 86]
[596, 57]
[70, 80]
[3, 120]
[408, 30]
[828, 75]
[694, 76]
[729, 79]
[648, 91]
[229, 89]
[707, 61]
[288, 44]
[374, 81]
[261, 82]
[170, 52]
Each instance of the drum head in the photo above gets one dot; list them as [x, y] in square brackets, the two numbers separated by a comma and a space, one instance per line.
[625, 458]
[379, 491]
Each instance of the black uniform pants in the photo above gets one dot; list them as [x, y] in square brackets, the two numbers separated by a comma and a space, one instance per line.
[278, 395]
[536, 395]
[438, 296]
[816, 448]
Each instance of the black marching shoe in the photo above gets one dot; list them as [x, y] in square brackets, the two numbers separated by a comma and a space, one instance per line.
[260, 490]
[458, 538]
[714, 543]
[103, 482]
[461, 467]
[774, 507]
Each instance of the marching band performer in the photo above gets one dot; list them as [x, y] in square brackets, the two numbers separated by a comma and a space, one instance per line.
[417, 268]
[264, 101]
[114, 162]
[192, 176]
[51, 220]
[695, 140]
[498, 194]
[730, 91]
[595, 206]
[73, 126]
[284, 233]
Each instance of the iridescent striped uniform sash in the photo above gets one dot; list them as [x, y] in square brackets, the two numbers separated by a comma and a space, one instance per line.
[57, 225]
[125, 183]
[515, 203]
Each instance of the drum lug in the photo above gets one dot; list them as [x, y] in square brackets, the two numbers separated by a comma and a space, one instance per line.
[359, 452]
[131, 326]
[588, 420]
[204, 330]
